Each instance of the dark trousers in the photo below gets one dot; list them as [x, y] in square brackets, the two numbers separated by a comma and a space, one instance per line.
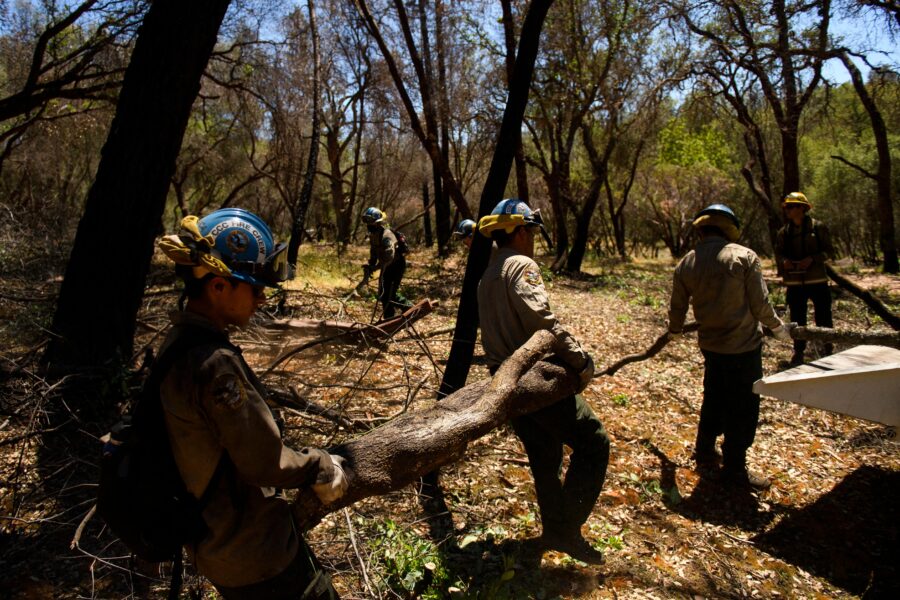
[730, 407]
[565, 504]
[389, 285]
[304, 579]
[797, 298]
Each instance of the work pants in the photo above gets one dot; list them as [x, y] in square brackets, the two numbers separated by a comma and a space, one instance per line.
[389, 285]
[565, 504]
[797, 297]
[730, 407]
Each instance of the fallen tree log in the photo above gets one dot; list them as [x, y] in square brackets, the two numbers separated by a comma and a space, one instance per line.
[866, 296]
[343, 332]
[416, 443]
[846, 336]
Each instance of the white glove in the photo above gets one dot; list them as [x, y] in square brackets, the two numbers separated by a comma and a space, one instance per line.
[330, 491]
[782, 333]
[586, 374]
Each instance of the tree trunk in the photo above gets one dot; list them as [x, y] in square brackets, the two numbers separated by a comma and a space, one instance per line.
[414, 444]
[460, 359]
[104, 279]
[426, 215]
[883, 176]
[866, 296]
[299, 223]
[509, 38]
[442, 200]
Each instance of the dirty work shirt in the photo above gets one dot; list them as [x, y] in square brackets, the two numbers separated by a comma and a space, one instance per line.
[724, 283]
[214, 404]
[382, 249]
[513, 304]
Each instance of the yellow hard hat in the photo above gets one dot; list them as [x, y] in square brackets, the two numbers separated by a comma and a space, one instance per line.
[797, 198]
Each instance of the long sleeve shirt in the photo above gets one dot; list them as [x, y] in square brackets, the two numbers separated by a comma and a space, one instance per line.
[214, 405]
[513, 304]
[723, 282]
[382, 249]
[810, 239]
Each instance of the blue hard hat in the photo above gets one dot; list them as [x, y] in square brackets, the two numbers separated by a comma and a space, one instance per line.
[373, 216]
[244, 242]
[720, 209]
[465, 228]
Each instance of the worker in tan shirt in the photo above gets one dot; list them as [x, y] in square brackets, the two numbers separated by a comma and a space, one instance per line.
[723, 282]
[513, 305]
[224, 438]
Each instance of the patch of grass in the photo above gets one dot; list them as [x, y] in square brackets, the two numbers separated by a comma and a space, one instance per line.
[410, 567]
[645, 299]
[647, 489]
[620, 399]
[320, 268]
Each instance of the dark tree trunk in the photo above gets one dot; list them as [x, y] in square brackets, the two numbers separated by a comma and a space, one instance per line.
[426, 216]
[104, 280]
[299, 222]
[509, 37]
[443, 199]
[883, 176]
[441, 214]
[460, 359]
[582, 231]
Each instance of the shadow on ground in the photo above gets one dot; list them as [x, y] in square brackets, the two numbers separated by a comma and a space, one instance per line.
[848, 536]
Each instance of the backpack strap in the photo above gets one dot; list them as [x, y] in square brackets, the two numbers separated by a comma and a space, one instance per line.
[149, 407]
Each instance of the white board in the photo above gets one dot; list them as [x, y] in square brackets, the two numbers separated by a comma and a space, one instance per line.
[862, 382]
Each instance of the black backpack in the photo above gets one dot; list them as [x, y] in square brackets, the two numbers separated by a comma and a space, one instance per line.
[402, 244]
[141, 495]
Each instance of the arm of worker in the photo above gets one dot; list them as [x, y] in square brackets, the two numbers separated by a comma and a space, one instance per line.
[244, 426]
[532, 305]
[826, 249]
[758, 296]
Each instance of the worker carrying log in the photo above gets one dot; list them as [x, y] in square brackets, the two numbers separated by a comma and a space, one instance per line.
[387, 253]
[223, 436]
[512, 305]
[723, 282]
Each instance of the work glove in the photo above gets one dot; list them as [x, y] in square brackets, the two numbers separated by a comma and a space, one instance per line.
[586, 374]
[782, 333]
[674, 335]
[330, 491]
[367, 271]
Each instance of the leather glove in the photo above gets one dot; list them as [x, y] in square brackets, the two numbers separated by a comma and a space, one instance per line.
[674, 335]
[586, 374]
[330, 491]
[367, 271]
[782, 333]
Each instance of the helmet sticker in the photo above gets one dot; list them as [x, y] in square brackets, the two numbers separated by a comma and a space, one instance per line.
[243, 225]
[237, 241]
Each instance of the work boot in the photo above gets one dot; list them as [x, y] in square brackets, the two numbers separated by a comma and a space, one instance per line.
[572, 544]
[745, 479]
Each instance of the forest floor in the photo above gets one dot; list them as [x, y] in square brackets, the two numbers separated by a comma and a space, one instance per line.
[827, 528]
